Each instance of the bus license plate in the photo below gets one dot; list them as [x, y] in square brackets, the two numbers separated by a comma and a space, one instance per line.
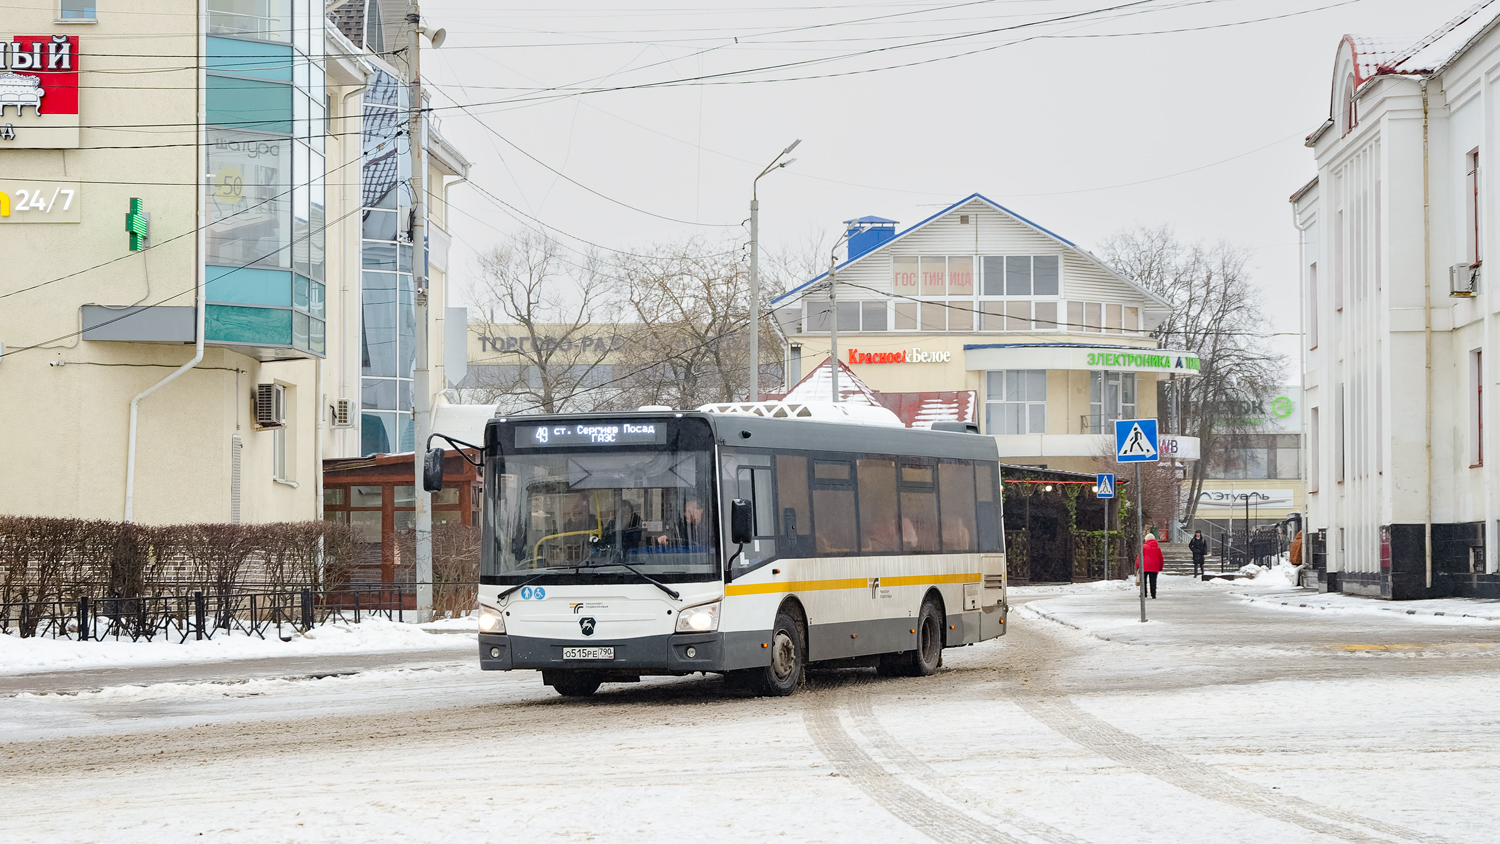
[588, 653]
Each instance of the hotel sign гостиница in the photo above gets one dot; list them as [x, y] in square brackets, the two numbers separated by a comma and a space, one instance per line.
[39, 92]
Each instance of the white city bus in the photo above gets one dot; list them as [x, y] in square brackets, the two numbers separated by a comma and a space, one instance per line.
[617, 545]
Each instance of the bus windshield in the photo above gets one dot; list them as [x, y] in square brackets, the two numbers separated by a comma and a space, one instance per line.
[575, 508]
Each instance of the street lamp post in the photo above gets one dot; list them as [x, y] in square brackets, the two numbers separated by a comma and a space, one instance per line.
[776, 164]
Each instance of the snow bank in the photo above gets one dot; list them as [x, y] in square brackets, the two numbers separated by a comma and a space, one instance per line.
[1280, 575]
[1073, 588]
[26, 656]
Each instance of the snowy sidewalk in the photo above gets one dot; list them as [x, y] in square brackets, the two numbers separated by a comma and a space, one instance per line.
[62, 665]
[1479, 608]
[1190, 612]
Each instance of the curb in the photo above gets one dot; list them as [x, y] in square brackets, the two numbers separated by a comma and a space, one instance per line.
[1055, 620]
[1255, 600]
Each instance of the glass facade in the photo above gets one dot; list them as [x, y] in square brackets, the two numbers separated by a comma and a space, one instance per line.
[388, 327]
[266, 205]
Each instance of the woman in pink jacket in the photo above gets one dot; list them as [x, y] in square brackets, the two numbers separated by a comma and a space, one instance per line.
[1151, 562]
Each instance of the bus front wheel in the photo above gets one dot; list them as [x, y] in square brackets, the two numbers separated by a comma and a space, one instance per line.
[788, 657]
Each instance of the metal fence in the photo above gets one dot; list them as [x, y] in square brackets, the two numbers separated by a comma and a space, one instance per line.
[202, 615]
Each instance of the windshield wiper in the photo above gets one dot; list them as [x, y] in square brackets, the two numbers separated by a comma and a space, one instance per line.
[534, 578]
[676, 596]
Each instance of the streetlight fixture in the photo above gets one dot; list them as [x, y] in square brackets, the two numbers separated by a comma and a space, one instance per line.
[776, 164]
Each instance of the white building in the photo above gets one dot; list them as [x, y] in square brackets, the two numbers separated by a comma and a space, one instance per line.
[1399, 313]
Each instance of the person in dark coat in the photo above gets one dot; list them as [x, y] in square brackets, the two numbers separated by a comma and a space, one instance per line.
[1151, 562]
[1199, 547]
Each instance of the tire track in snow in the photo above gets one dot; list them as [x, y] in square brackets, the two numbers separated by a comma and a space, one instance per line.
[1058, 712]
[1066, 718]
[933, 818]
[862, 711]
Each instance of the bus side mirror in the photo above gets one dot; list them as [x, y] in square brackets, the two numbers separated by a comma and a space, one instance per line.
[432, 470]
[741, 521]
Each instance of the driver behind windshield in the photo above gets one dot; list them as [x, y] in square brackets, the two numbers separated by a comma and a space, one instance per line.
[625, 527]
[689, 529]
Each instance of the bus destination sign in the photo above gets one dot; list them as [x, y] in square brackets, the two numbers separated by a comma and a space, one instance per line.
[591, 433]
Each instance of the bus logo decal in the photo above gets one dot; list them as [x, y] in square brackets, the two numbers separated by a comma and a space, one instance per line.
[586, 624]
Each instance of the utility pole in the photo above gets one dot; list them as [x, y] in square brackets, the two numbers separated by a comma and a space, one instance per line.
[1140, 542]
[776, 164]
[422, 401]
[833, 325]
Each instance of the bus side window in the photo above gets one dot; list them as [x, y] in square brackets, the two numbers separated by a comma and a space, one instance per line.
[989, 507]
[956, 489]
[879, 531]
[791, 493]
[833, 503]
[919, 507]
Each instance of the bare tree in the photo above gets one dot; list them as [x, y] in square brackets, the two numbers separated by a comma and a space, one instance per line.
[1217, 315]
[553, 358]
[689, 339]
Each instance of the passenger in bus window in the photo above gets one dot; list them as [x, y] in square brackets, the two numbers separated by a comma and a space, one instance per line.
[955, 534]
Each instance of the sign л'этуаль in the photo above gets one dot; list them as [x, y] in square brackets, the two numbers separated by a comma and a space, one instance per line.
[38, 92]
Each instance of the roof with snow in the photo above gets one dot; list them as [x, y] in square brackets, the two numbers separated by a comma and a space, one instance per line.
[916, 410]
[870, 221]
[1402, 55]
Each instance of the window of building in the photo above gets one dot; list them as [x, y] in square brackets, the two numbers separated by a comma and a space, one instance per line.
[1338, 261]
[76, 10]
[1314, 463]
[1312, 306]
[278, 454]
[1471, 207]
[1476, 408]
[1016, 402]
[1349, 111]
[1338, 433]
[1111, 397]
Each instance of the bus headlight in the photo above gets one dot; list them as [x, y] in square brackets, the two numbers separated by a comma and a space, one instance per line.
[702, 619]
[491, 620]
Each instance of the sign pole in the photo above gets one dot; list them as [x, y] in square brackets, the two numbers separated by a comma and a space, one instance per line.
[1136, 442]
[1140, 539]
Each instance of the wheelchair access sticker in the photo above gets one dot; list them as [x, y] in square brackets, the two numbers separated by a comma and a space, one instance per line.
[537, 594]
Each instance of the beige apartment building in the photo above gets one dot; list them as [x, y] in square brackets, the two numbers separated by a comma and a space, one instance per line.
[1049, 344]
[186, 348]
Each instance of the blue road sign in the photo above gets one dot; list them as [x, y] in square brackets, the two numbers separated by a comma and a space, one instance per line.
[1104, 485]
[1135, 441]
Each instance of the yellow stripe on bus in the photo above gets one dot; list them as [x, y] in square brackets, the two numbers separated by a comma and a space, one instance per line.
[847, 583]
[924, 579]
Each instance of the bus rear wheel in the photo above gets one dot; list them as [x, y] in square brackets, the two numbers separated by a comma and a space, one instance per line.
[574, 684]
[927, 656]
[788, 658]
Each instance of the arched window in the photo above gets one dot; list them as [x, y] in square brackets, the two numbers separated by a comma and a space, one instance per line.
[1350, 117]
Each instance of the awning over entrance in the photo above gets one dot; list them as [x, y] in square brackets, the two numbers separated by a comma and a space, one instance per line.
[991, 356]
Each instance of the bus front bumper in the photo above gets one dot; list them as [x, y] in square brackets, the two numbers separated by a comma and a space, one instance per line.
[674, 653]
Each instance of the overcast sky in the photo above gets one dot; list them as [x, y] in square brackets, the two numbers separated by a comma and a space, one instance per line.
[1084, 124]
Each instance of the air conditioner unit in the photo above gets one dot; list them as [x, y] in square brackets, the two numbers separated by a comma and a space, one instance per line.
[1463, 280]
[343, 413]
[270, 405]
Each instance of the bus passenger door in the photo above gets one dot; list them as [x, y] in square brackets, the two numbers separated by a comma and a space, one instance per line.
[991, 517]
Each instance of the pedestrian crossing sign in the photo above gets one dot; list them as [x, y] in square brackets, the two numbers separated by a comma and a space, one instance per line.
[1104, 486]
[1135, 441]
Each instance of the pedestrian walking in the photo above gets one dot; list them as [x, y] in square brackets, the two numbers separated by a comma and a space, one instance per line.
[1199, 547]
[1151, 562]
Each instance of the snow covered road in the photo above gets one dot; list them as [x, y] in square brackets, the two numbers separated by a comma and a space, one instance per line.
[1225, 721]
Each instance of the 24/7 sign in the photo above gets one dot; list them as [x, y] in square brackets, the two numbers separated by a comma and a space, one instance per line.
[40, 202]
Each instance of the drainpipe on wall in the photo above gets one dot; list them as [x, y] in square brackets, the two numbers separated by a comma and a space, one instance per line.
[357, 140]
[200, 253]
[1427, 316]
